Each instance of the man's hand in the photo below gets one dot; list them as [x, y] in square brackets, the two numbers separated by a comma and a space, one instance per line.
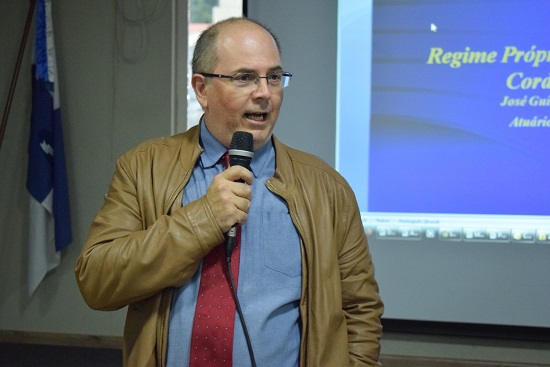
[228, 199]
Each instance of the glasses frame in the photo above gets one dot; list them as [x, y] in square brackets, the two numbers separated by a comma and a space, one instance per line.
[284, 82]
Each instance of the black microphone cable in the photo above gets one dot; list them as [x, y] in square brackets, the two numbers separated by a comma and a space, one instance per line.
[240, 153]
[239, 311]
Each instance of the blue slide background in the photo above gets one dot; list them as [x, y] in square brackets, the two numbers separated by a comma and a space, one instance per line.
[431, 138]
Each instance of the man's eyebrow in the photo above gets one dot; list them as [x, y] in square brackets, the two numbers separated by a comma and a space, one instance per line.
[276, 68]
[270, 70]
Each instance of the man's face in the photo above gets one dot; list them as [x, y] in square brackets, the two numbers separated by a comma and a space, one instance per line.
[242, 47]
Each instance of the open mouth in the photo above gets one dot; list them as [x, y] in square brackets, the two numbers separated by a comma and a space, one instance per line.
[256, 116]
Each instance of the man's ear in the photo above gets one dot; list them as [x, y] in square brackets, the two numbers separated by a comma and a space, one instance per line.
[198, 82]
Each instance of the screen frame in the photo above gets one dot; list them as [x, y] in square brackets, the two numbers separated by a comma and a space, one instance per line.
[463, 327]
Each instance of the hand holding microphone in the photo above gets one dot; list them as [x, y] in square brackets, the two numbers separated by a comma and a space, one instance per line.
[227, 197]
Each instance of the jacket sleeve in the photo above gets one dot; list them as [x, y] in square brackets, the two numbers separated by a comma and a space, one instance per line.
[361, 302]
[128, 257]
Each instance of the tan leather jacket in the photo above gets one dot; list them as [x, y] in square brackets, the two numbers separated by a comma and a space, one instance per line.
[143, 243]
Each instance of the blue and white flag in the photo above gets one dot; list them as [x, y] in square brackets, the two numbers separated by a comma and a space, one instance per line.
[49, 216]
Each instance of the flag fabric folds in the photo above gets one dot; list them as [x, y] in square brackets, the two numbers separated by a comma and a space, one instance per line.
[49, 214]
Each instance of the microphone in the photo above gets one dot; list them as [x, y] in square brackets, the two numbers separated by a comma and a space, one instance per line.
[241, 152]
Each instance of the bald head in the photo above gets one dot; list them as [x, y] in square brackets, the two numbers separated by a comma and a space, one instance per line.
[205, 55]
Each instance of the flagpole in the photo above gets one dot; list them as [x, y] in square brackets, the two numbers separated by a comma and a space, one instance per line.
[16, 71]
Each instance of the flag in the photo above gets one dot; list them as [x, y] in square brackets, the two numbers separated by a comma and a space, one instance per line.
[49, 215]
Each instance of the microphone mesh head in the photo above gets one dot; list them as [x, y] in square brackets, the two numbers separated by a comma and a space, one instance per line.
[242, 140]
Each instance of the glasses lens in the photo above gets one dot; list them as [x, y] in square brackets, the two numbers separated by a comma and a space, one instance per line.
[286, 79]
[281, 79]
[244, 79]
[274, 79]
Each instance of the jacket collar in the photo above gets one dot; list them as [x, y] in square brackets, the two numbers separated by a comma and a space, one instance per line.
[283, 180]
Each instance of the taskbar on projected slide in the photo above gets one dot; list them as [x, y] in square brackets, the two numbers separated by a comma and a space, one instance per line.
[457, 228]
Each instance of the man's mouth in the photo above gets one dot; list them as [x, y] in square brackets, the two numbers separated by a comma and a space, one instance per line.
[256, 116]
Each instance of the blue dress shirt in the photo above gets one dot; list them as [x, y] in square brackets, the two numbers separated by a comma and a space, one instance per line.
[269, 285]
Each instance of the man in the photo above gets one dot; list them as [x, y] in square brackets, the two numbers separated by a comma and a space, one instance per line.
[305, 277]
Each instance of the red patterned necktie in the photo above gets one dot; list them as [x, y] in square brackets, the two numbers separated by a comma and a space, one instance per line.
[212, 336]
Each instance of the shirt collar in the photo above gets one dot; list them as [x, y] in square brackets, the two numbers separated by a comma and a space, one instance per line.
[261, 158]
[213, 149]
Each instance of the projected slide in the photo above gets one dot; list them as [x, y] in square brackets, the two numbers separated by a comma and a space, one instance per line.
[444, 117]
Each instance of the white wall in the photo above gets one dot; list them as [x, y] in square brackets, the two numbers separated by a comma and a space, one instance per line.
[107, 107]
[307, 32]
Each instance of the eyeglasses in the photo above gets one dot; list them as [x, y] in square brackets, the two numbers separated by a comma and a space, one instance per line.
[241, 80]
